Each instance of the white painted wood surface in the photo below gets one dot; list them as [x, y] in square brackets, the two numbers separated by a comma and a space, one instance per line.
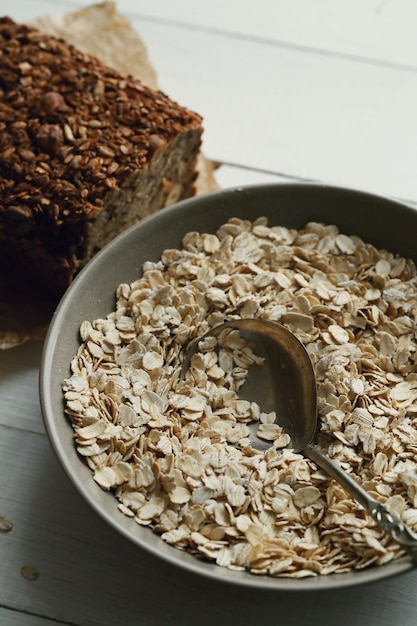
[289, 89]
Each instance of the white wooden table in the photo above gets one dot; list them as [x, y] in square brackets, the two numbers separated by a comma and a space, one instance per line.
[322, 90]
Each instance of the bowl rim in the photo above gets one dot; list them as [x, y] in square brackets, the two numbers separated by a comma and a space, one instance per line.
[171, 554]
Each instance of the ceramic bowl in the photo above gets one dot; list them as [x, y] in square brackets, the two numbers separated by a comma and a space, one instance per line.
[383, 222]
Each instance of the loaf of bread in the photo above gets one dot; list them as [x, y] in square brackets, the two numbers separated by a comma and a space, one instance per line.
[85, 152]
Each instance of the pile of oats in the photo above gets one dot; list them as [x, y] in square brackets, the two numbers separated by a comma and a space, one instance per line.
[176, 452]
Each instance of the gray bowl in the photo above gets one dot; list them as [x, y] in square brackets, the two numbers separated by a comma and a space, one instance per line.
[385, 223]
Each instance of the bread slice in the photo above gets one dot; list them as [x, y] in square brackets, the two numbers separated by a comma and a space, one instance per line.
[85, 152]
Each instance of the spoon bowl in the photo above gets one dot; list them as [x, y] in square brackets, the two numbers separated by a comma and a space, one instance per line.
[286, 385]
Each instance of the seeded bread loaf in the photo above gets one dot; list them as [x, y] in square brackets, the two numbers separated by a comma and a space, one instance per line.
[85, 152]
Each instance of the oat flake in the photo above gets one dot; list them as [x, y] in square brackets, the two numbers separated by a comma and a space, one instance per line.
[29, 572]
[6, 524]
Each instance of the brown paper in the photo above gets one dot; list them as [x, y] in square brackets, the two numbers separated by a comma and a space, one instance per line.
[99, 30]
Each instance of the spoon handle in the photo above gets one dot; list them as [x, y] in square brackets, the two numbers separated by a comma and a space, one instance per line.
[386, 520]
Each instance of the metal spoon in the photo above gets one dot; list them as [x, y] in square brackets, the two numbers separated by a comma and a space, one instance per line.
[288, 385]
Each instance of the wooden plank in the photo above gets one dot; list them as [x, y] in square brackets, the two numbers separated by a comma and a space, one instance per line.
[234, 176]
[282, 110]
[26, 10]
[19, 395]
[363, 29]
[14, 618]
